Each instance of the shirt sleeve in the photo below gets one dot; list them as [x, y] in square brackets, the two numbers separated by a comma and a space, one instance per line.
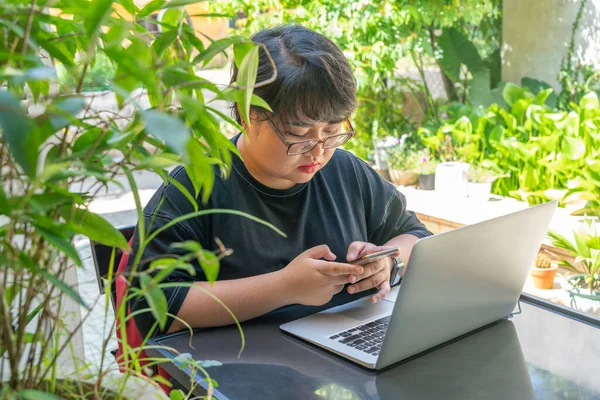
[385, 207]
[166, 205]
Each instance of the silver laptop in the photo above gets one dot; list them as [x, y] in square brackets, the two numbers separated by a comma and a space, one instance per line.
[454, 283]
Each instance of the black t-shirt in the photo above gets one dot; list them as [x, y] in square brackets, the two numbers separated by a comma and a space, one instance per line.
[344, 202]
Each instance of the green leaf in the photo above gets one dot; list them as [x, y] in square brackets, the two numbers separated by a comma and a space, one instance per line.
[164, 41]
[215, 48]
[177, 394]
[159, 161]
[150, 8]
[561, 241]
[11, 293]
[181, 188]
[20, 133]
[189, 245]
[210, 265]
[536, 87]
[30, 394]
[180, 3]
[582, 249]
[94, 227]
[589, 101]
[33, 313]
[172, 130]
[573, 148]
[240, 50]
[100, 9]
[512, 93]
[156, 299]
[129, 5]
[167, 265]
[457, 49]
[4, 203]
[61, 243]
[246, 79]
[200, 170]
[226, 118]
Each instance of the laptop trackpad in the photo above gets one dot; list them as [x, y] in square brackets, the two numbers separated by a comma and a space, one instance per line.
[362, 310]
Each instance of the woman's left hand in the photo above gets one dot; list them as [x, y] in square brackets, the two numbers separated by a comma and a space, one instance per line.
[375, 275]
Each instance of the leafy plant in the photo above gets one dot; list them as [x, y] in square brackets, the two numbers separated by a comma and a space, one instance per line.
[585, 249]
[482, 173]
[376, 37]
[455, 141]
[58, 152]
[426, 164]
[538, 153]
[404, 159]
[461, 62]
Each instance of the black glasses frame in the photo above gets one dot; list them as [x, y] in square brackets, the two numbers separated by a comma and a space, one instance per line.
[314, 142]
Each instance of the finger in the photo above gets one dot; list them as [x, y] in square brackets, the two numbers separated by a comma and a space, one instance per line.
[321, 251]
[355, 249]
[342, 279]
[384, 290]
[334, 268]
[369, 283]
[373, 268]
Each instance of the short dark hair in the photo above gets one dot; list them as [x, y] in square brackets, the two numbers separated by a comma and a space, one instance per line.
[314, 78]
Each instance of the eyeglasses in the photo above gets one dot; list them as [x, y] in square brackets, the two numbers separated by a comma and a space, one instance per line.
[304, 146]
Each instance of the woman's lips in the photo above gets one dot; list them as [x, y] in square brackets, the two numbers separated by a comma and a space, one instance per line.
[309, 168]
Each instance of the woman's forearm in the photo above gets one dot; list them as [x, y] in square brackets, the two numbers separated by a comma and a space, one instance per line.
[247, 298]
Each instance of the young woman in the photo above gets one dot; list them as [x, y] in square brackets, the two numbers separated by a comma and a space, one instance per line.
[332, 206]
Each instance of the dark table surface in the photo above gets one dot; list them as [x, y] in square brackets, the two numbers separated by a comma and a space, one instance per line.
[537, 354]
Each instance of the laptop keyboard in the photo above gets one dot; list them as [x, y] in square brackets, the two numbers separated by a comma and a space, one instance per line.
[367, 337]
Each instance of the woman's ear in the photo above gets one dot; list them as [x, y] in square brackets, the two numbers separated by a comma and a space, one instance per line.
[253, 117]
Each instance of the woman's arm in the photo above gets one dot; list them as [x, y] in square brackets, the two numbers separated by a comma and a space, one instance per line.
[312, 278]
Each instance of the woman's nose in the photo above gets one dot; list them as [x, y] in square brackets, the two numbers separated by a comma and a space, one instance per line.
[317, 150]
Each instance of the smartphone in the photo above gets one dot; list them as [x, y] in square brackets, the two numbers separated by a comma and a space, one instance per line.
[369, 258]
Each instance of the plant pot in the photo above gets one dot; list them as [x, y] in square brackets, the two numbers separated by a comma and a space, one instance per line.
[427, 182]
[543, 278]
[403, 178]
[451, 179]
[580, 299]
[480, 191]
[571, 286]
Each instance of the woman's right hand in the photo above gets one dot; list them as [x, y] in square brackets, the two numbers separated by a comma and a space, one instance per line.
[311, 281]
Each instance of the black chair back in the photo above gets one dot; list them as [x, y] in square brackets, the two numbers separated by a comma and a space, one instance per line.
[101, 256]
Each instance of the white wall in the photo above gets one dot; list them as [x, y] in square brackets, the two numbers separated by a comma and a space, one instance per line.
[536, 36]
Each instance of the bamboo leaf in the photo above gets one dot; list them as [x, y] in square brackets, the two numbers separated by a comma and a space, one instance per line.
[20, 133]
[156, 299]
[171, 130]
[210, 265]
[246, 78]
[100, 9]
[61, 243]
[94, 227]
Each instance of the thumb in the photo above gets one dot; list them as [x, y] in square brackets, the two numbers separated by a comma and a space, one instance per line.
[321, 251]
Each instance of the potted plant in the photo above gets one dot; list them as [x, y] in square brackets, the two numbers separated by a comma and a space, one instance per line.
[58, 151]
[543, 272]
[403, 166]
[584, 285]
[480, 179]
[426, 168]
